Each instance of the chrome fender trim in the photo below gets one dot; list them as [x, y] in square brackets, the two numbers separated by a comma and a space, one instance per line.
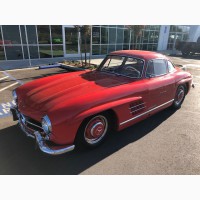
[140, 115]
[46, 149]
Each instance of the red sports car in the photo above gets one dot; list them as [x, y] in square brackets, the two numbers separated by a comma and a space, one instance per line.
[65, 110]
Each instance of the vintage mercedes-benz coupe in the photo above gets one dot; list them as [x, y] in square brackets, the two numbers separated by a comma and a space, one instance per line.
[82, 107]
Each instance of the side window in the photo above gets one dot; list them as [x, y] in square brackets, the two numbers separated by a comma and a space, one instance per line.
[170, 67]
[156, 67]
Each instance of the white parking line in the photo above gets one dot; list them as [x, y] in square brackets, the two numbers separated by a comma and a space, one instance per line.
[12, 70]
[4, 78]
[8, 86]
[13, 78]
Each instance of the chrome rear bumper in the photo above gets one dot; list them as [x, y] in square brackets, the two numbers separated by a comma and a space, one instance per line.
[40, 140]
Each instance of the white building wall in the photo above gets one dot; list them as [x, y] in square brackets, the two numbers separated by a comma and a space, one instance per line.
[163, 37]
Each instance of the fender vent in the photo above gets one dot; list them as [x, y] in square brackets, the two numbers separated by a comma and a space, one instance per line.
[137, 107]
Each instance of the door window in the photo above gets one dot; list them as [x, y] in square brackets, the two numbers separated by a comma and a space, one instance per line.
[170, 67]
[156, 67]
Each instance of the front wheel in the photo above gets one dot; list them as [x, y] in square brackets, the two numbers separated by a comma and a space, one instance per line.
[93, 130]
[179, 97]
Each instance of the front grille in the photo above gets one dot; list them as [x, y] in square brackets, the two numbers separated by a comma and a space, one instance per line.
[31, 123]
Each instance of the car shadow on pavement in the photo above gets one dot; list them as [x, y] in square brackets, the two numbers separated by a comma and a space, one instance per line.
[18, 155]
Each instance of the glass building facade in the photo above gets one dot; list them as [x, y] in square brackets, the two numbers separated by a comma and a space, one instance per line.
[21, 42]
[31, 41]
[111, 38]
[177, 33]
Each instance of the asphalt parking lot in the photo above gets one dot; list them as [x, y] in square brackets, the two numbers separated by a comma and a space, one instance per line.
[166, 143]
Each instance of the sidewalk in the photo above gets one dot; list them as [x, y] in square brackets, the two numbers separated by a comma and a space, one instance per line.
[18, 64]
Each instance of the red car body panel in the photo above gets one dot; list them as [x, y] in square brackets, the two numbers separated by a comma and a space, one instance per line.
[70, 98]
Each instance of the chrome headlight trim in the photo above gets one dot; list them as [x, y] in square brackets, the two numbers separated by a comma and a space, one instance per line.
[46, 125]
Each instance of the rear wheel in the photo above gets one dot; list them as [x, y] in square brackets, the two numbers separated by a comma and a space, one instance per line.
[179, 97]
[93, 130]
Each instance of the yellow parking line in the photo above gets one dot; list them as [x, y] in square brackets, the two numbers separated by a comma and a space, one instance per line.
[8, 86]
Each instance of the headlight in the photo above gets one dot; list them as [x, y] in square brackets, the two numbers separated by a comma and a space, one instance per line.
[46, 125]
[14, 94]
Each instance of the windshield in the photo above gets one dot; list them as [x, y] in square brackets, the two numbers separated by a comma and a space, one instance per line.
[125, 66]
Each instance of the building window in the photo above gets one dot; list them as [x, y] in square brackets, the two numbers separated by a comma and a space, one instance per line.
[11, 34]
[45, 51]
[104, 35]
[43, 34]
[177, 33]
[14, 52]
[31, 33]
[33, 52]
[95, 49]
[57, 50]
[96, 35]
[112, 35]
[56, 34]
[2, 55]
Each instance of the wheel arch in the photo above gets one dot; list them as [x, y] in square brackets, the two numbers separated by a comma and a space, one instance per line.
[108, 108]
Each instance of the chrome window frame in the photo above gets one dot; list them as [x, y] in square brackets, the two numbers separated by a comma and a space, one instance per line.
[172, 65]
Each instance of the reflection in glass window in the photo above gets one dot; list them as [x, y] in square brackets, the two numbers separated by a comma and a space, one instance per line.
[96, 35]
[23, 34]
[2, 55]
[156, 67]
[126, 35]
[43, 34]
[151, 37]
[71, 41]
[119, 47]
[1, 37]
[104, 49]
[170, 67]
[87, 46]
[113, 26]
[120, 35]
[95, 49]
[25, 48]
[125, 47]
[11, 34]
[111, 48]
[14, 52]
[56, 34]
[57, 51]
[104, 35]
[112, 35]
[45, 51]
[33, 52]
[31, 33]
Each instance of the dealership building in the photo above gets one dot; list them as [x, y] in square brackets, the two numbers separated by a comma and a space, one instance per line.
[33, 42]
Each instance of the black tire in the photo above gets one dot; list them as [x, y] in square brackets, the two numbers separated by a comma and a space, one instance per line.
[179, 96]
[87, 135]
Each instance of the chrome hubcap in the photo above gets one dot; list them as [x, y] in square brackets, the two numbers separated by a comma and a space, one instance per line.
[180, 96]
[96, 129]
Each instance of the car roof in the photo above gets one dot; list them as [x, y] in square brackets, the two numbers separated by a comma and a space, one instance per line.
[146, 55]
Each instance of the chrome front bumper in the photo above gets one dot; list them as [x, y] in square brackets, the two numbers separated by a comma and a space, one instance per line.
[40, 140]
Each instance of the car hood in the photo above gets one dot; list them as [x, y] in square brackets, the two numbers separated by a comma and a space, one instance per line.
[45, 93]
